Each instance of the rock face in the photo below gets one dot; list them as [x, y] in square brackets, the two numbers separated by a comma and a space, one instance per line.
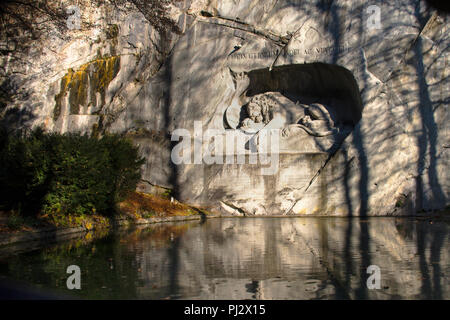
[384, 87]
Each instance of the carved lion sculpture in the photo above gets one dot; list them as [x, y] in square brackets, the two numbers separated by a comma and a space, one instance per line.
[316, 122]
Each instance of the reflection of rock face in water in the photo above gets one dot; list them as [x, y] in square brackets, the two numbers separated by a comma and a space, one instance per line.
[252, 258]
[302, 258]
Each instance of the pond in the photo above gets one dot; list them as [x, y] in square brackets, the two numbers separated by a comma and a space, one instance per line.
[245, 258]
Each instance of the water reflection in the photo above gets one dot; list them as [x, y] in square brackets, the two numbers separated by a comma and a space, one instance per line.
[250, 258]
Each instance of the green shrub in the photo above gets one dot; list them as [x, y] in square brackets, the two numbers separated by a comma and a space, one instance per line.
[66, 174]
[24, 167]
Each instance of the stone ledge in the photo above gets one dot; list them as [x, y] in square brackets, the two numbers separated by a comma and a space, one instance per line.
[55, 233]
[124, 221]
[39, 235]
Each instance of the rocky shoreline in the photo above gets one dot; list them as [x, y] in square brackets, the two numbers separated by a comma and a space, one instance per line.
[59, 234]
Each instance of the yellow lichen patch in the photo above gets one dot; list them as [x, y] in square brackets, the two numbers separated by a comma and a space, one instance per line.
[65, 81]
[90, 78]
[78, 92]
[104, 71]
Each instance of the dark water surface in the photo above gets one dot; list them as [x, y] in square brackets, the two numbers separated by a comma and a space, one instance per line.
[245, 258]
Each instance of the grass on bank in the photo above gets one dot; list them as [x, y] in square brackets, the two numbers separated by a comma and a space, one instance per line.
[141, 205]
[135, 206]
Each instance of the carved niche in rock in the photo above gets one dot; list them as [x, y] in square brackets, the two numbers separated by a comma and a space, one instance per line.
[267, 99]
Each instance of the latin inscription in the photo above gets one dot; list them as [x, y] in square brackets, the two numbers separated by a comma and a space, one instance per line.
[290, 53]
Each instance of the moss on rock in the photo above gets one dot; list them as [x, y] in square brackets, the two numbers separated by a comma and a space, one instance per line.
[92, 77]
